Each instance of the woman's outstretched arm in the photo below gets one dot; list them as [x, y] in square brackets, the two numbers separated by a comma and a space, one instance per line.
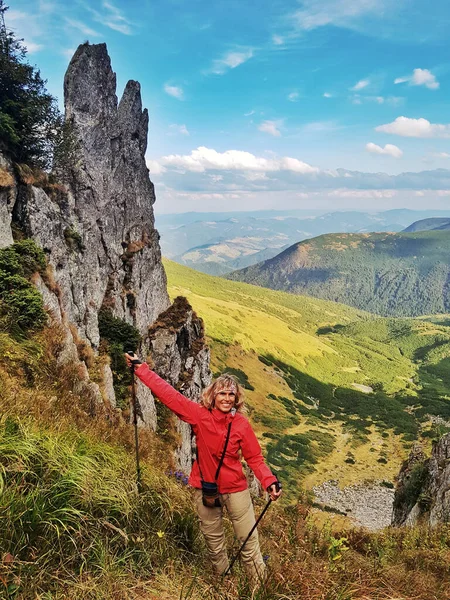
[187, 410]
[251, 450]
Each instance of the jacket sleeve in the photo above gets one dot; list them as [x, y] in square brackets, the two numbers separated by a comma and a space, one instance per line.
[185, 409]
[251, 451]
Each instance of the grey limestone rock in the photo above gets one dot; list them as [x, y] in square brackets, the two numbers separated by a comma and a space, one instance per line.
[423, 488]
[180, 356]
[7, 195]
[100, 235]
[367, 505]
[98, 232]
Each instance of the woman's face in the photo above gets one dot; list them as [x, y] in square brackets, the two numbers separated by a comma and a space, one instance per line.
[224, 400]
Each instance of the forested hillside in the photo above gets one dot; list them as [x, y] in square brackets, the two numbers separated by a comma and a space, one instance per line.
[405, 274]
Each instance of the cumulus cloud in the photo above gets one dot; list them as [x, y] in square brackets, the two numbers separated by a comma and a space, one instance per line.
[293, 96]
[420, 77]
[174, 90]
[363, 83]
[204, 159]
[155, 167]
[389, 149]
[270, 127]
[327, 95]
[231, 60]
[419, 128]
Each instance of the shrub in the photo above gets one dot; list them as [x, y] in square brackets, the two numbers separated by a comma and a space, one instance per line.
[21, 305]
[119, 337]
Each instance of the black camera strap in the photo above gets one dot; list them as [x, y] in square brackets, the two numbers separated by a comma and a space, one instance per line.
[216, 477]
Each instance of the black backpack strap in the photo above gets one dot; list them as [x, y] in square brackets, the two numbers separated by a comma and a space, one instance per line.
[223, 453]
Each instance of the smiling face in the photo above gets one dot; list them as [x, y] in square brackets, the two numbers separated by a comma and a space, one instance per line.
[225, 400]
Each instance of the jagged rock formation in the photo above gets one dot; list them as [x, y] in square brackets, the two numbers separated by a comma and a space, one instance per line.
[98, 230]
[181, 358]
[100, 238]
[423, 488]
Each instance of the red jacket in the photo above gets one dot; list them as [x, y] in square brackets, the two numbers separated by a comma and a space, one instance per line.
[210, 428]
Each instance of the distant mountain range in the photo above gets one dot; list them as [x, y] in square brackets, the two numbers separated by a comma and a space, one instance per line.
[433, 224]
[218, 243]
[402, 274]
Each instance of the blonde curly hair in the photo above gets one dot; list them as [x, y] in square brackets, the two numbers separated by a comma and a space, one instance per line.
[225, 381]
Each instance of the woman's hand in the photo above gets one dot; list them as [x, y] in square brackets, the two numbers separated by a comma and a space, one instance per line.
[274, 491]
[132, 359]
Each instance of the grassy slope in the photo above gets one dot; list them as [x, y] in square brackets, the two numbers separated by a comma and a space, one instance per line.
[72, 526]
[304, 357]
[404, 274]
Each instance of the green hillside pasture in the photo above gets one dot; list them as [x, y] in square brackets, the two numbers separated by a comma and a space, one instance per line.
[306, 359]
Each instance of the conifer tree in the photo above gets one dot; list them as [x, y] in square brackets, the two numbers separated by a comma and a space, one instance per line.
[29, 116]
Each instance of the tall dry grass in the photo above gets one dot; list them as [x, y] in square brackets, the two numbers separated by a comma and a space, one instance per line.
[72, 525]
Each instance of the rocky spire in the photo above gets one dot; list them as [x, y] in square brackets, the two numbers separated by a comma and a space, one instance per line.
[101, 238]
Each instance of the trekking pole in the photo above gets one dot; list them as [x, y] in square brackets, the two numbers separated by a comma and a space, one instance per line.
[248, 537]
[136, 437]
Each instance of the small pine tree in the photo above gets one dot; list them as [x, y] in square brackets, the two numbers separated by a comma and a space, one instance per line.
[29, 116]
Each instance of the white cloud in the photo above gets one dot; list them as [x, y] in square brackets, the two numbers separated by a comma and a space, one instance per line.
[249, 114]
[389, 149]
[293, 96]
[347, 193]
[115, 19]
[277, 40]
[111, 17]
[85, 30]
[317, 13]
[270, 127]
[363, 83]
[420, 77]
[204, 159]
[442, 155]
[420, 128]
[443, 193]
[155, 167]
[231, 60]
[327, 95]
[179, 129]
[174, 90]
[27, 27]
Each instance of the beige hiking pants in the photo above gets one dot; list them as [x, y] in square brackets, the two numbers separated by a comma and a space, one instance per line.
[240, 510]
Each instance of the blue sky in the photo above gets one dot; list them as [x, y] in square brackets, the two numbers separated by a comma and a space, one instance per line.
[272, 104]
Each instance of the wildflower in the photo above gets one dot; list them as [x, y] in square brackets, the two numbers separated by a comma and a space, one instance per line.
[266, 557]
[160, 533]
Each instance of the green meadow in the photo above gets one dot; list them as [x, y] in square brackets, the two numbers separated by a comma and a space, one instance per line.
[332, 391]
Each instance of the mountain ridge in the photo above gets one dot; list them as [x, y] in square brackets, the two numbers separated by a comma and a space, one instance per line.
[391, 274]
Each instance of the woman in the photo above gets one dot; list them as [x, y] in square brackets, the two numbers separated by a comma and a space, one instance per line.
[217, 418]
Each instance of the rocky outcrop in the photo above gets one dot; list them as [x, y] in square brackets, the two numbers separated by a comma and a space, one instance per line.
[100, 235]
[181, 357]
[423, 488]
[96, 226]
